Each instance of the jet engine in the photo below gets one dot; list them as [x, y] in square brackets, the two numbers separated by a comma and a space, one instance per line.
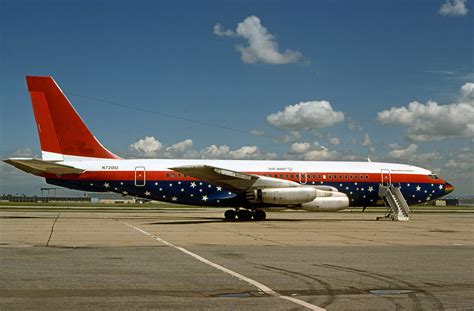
[282, 196]
[335, 201]
[286, 195]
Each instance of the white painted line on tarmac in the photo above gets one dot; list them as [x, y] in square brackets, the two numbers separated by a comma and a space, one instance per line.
[267, 290]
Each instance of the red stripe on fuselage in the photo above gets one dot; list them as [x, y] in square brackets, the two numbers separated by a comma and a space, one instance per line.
[314, 176]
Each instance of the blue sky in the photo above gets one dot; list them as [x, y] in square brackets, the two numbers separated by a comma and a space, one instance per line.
[359, 57]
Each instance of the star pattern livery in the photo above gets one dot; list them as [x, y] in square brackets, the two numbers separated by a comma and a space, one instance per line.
[73, 158]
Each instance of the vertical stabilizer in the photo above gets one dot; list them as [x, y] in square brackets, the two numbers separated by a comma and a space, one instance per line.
[62, 133]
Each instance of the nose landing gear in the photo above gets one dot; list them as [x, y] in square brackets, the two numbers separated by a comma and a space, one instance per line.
[244, 215]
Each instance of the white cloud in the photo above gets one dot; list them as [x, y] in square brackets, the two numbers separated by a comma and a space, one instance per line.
[366, 142]
[467, 94]
[300, 147]
[453, 8]
[244, 152]
[432, 121]
[257, 132]
[352, 125]
[461, 161]
[218, 30]
[459, 169]
[292, 136]
[334, 141]
[410, 153]
[261, 45]
[310, 152]
[215, 152]
[320, 154]
[306, 115]
[403, 153]
[149, 146]
[180, 146]
[25, 153]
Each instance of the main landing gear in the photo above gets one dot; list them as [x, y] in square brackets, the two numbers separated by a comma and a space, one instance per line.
[244, 215]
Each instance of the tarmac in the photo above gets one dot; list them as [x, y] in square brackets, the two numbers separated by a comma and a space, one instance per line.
[189, 258]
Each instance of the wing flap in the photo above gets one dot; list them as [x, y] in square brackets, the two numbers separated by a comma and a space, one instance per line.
[37, 167]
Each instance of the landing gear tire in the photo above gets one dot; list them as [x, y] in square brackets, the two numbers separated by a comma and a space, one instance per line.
[244, 215]
[230, 215]
[259, 215]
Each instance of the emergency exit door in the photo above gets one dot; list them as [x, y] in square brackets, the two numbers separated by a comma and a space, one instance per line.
[140, 176]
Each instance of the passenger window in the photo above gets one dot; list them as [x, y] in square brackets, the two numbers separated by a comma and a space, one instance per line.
[366, 176]
[291, 176]
[167, 175]
[350, 176]
[345, 176]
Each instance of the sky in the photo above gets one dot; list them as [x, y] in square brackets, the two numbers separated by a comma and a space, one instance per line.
[294, 80]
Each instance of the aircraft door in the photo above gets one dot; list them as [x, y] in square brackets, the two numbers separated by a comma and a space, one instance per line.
[303, 178]
[140, 176]
[386, 177]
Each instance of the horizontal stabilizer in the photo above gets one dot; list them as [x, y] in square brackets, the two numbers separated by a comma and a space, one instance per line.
[38, 167]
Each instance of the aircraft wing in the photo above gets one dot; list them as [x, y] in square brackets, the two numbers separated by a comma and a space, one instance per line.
[37, 166]
[232, 180]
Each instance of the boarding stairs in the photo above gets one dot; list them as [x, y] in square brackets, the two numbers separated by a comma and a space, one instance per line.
[398, 209]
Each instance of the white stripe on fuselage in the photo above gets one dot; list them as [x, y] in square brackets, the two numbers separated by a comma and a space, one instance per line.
[94, 164]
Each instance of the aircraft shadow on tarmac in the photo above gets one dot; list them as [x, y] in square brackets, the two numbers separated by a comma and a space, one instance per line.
[206, 220]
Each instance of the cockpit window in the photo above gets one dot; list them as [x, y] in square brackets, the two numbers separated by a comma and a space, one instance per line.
[433, 176]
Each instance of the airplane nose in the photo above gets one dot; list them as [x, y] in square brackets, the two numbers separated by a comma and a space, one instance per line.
[448, 188]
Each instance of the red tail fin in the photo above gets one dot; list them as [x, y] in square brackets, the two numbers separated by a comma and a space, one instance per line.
[61, 130]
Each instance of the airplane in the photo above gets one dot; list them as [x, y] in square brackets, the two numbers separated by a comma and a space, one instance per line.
[73, 158]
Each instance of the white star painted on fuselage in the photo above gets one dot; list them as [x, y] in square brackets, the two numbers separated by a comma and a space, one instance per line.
[204, 198]
[440, 187]
[193, 184]
[106, 185]
[174, 199]
[125, 192]
[219, 188]
[370, 189]
[418, 188]
[147, 193]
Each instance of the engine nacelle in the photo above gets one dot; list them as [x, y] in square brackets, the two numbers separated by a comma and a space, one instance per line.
[283, 196]
[335, 202]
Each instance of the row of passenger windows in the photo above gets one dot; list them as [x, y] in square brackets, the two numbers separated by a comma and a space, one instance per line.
[297, 176]
[319, 176]
[173, 175]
